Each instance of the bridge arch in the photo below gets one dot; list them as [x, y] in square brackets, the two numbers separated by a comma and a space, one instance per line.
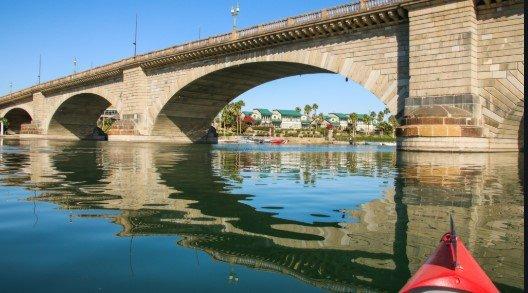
[16, 116]
[76, 115]
[191, 103]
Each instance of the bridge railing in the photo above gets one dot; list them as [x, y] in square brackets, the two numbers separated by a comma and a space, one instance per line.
[302, 19]
[306, 18]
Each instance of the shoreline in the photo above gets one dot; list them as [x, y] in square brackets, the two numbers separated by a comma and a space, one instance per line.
[314, 141]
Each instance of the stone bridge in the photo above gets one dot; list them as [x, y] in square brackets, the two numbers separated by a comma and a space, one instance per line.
[451, 71]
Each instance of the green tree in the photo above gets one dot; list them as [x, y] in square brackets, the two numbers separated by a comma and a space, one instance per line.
[314, 108]
[353, 119]
[394, 123]
[298, 109]
[5, 122]
[379, 120]
[385, 127]
[368, 120]
[372, 117]
[238, 111]
[230, 116]
[307, 110]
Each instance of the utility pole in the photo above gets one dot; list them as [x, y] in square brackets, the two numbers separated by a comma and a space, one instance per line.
[234, 14]
[39, 67]
[135, 38]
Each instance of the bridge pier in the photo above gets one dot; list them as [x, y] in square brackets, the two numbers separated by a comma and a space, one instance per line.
[460, 80]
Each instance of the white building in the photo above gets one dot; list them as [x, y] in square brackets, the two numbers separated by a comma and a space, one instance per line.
[339, 120]
[286, 119]
[262, 116]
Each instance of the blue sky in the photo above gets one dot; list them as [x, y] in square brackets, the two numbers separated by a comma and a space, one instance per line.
[97, 32]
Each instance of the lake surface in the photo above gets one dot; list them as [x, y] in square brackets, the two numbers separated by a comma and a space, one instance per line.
[145, 217]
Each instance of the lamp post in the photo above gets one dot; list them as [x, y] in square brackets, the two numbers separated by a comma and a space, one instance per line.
[234, 14]
[10, 87]
[74, 65]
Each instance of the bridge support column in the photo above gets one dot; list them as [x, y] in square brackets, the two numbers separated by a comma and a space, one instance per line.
[40, 112]
[135, 108]
[443, 110]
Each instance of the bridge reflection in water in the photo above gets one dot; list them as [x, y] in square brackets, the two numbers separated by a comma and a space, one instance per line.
[195, 192]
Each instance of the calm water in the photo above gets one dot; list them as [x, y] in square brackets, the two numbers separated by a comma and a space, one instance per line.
[107, 217]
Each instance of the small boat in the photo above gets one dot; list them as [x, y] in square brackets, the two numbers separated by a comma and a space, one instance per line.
[277, 140]
[451, 268]
[245, 140]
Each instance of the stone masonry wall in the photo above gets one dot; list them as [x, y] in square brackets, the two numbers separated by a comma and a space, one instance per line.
[375, 57]
[501, 67]
[443, 56]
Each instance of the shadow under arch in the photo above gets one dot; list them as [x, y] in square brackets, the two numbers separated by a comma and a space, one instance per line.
[16, 117]
[77, 116]
[189, 112]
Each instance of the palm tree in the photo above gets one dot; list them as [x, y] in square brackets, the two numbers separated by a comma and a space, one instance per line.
[237, 109]
[307, 110]
[386, 111]
[367, 119]
[394, 122]
[231, 114]
[298, 109]
[380, 118]
[353, 122]
[314, 108]
[5, 123]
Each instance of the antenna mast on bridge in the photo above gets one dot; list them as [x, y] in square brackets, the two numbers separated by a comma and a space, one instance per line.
[135, 38]
[234, 13]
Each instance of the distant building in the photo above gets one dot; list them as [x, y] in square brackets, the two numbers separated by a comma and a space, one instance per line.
[247, 117]
[339, 120]
[109, 114]
[329, 121]
[361, 126]
[306, 121]
[262, 116]
[286, 119]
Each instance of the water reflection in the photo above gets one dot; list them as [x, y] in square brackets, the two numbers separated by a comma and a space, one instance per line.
[334, 217]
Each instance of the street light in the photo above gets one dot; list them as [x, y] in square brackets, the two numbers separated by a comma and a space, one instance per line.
[234, 14]
[10, 87]
[74, 65]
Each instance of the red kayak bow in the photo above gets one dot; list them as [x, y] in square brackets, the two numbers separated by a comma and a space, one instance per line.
[452, 268]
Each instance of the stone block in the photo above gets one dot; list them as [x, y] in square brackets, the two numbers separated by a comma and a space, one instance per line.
[439, 130]
[453, 130]
[471, 131]
[425, 130]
